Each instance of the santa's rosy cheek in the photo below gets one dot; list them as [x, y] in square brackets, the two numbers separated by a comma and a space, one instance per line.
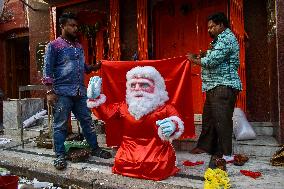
[149, 89]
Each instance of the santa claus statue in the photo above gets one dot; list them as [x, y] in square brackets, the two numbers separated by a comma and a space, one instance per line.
[149, 124]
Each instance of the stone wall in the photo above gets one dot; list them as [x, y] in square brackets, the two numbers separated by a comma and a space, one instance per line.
[15, 111]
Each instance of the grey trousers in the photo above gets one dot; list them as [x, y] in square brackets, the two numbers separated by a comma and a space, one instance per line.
[217, 124]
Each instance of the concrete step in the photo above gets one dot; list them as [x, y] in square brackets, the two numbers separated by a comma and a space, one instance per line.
[263, 128]
[33, 162]
[262, 146]
[260, 128]
[96, 172]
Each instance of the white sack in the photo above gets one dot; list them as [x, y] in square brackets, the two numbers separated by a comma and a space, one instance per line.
[241, 127]
[28, 122]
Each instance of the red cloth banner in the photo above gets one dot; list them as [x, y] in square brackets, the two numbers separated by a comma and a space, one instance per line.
[177, 75]
[251, 174]
[190, 163]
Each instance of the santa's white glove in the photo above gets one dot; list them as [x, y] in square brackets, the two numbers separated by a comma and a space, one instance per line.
[94, 87]
[167, 126]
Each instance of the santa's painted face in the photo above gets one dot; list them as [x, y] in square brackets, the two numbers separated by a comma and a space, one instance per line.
[141, 97]
[143, 85]
[145, 91]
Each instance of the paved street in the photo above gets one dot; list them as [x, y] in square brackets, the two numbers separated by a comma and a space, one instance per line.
[96, 173]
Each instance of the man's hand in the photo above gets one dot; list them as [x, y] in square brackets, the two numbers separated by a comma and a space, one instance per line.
[96, 66]
[51, 98]
[202, 54]
[195, 59]
[191, 56]
[168, 127]
[94, 87]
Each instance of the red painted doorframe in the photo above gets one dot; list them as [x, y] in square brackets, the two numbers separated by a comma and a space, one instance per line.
[237, 26]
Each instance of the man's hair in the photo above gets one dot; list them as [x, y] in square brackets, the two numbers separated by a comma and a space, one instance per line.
[65, 17]
[219, 18]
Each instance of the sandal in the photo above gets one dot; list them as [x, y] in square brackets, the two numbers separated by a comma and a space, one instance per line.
[240, 159]
[220, 163]
[217, 162]
[60, 163]
[99, 152]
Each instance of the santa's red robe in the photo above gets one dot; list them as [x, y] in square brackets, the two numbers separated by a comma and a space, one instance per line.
[142, 154]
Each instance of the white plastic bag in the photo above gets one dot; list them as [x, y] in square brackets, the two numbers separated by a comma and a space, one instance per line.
[30, 121]
[241, 127]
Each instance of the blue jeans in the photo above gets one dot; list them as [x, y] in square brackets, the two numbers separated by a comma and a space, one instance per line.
[61, 113]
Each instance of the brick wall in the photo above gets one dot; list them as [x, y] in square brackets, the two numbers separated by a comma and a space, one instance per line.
[18, 20]
[38, 33]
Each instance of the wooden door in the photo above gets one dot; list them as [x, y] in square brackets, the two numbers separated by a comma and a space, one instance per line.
[17, 65]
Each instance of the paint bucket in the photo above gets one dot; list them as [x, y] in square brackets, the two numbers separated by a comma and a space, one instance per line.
[9, 182]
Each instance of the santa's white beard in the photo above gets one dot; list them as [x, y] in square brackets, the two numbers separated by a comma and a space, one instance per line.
[140, 106]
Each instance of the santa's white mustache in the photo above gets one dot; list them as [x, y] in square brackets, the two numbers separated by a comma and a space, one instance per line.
[140, 94]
